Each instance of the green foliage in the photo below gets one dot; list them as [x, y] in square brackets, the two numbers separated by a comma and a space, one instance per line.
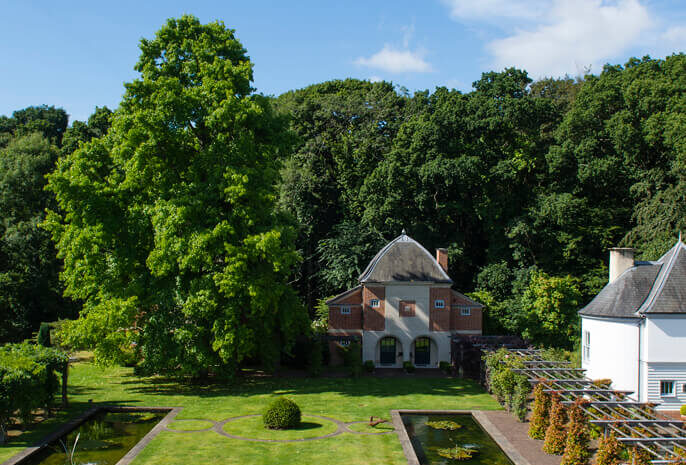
[609, 450]
[445, 367]
[316, 358]
[46, 120]
[28, 380]
[443, 424]
[458, 453]
[510, 388]
[282, 413]
[320, 324]
[352, 358]
[556, 434]
[43, 338]
[682, 409]
[408, 366]
[639, 456]
[30, 291]
[576, 446]
[167, 223]
[538, 423]
[81, 132]
[369, 366]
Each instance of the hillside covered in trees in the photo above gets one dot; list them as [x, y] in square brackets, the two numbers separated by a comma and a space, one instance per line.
[526, 183]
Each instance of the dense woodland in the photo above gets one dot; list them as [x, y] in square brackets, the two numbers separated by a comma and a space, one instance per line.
[205, 210]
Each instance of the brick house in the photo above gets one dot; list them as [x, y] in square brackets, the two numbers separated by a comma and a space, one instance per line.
[403, 309]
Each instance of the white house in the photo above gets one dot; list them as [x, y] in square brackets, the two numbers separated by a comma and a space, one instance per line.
[404, 308]
[634, 330]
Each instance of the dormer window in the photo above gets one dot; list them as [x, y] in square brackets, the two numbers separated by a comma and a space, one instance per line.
[374, 303]
[439, 303]
[345, 310]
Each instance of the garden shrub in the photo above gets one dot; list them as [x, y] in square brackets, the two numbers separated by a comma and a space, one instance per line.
[352, 358]
[408, 366]
[609, 451]
[510, 388]
[555, 435]
[43, 337]
[283, 413]
[28, 380]
[314, 366]
[369, 366]
[518, 399]
[682, 410]
[445, 367]
[538, 424]
[576, 446]
[639, 456]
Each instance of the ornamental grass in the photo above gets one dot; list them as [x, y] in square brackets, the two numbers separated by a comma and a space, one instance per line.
[555, 435]
[538, 424]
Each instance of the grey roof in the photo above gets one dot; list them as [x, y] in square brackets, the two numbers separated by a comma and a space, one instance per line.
[645, 288]
[404, 259]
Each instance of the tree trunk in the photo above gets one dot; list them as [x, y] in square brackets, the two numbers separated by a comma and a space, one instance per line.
[65, 376]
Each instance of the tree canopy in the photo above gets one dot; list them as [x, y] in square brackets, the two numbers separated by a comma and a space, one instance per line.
[167, 225]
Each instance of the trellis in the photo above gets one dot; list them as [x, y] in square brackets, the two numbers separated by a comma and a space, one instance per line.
[634, 423]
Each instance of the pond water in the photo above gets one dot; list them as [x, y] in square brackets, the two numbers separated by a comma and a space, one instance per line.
[428, 441]
[102, 440]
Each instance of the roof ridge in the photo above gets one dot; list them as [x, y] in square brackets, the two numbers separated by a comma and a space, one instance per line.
[659, 283]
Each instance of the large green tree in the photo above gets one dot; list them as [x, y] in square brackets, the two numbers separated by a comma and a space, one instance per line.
[30, 291]
[167, 224]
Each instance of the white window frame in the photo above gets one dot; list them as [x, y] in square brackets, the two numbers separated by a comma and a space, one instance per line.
[671, 392]
[345, 310]
[344, 343]
[465, 311]
[374, 303]
[439, 303]
[586, 346]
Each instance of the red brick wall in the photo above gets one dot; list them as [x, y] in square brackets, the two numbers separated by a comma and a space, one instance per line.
[335, 348]
[439, 318]
[471, 322]
[351, 321]
[374, 318]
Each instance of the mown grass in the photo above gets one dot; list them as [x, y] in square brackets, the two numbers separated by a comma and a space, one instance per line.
[345, 399]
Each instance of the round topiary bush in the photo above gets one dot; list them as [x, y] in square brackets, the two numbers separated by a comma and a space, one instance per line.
[283, 413]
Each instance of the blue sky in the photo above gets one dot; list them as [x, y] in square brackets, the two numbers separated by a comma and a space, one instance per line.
[77, 55]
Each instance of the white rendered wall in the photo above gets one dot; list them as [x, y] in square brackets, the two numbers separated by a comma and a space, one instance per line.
[665, 359]
[614, 351]
[407, 329]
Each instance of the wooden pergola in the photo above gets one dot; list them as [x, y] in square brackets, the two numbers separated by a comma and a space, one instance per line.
[634, 423]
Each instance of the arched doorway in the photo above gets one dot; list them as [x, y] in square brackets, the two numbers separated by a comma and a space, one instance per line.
[387, 351]
[422, 351]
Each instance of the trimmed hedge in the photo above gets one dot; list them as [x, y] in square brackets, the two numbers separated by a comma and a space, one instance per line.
[28, 380]
[283, 413]
[510, 388]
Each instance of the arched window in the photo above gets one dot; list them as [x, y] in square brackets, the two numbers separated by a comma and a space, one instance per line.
[422, 351]
[387, 351]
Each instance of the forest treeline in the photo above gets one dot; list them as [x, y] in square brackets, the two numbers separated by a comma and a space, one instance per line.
[527, 184]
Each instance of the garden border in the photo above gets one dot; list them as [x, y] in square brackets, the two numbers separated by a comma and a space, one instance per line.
[66, 428]
[507, 447]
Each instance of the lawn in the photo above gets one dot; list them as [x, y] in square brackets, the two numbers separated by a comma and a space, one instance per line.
[344, 399]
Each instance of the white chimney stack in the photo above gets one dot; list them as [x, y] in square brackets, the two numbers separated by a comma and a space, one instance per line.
[621, 259]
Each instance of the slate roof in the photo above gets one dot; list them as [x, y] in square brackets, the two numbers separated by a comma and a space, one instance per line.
[646, 288]
[404, 259]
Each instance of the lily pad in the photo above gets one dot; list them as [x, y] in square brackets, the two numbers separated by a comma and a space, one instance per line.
[443, 424]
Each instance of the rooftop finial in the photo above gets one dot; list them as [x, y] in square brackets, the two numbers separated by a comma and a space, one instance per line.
[404, 233]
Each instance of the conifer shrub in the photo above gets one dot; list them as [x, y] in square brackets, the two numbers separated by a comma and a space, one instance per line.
[43, 337]
[538, 424]
[555, 435]
[576, 446]
[639, 456]
[609, 451]
[283, 413]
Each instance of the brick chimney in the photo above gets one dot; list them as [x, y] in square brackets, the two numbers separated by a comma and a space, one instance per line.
[442, 258]
[621, 259]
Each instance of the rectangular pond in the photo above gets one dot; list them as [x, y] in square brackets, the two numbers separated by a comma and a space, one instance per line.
[436, 436]
[102, 439]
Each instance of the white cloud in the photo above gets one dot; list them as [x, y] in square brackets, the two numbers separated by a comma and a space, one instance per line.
[375, 79]
[676, 34]
[493, 10]
[393, 60]
[573, 36]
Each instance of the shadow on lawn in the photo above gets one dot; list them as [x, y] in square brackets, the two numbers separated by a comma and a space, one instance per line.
[365, 386]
